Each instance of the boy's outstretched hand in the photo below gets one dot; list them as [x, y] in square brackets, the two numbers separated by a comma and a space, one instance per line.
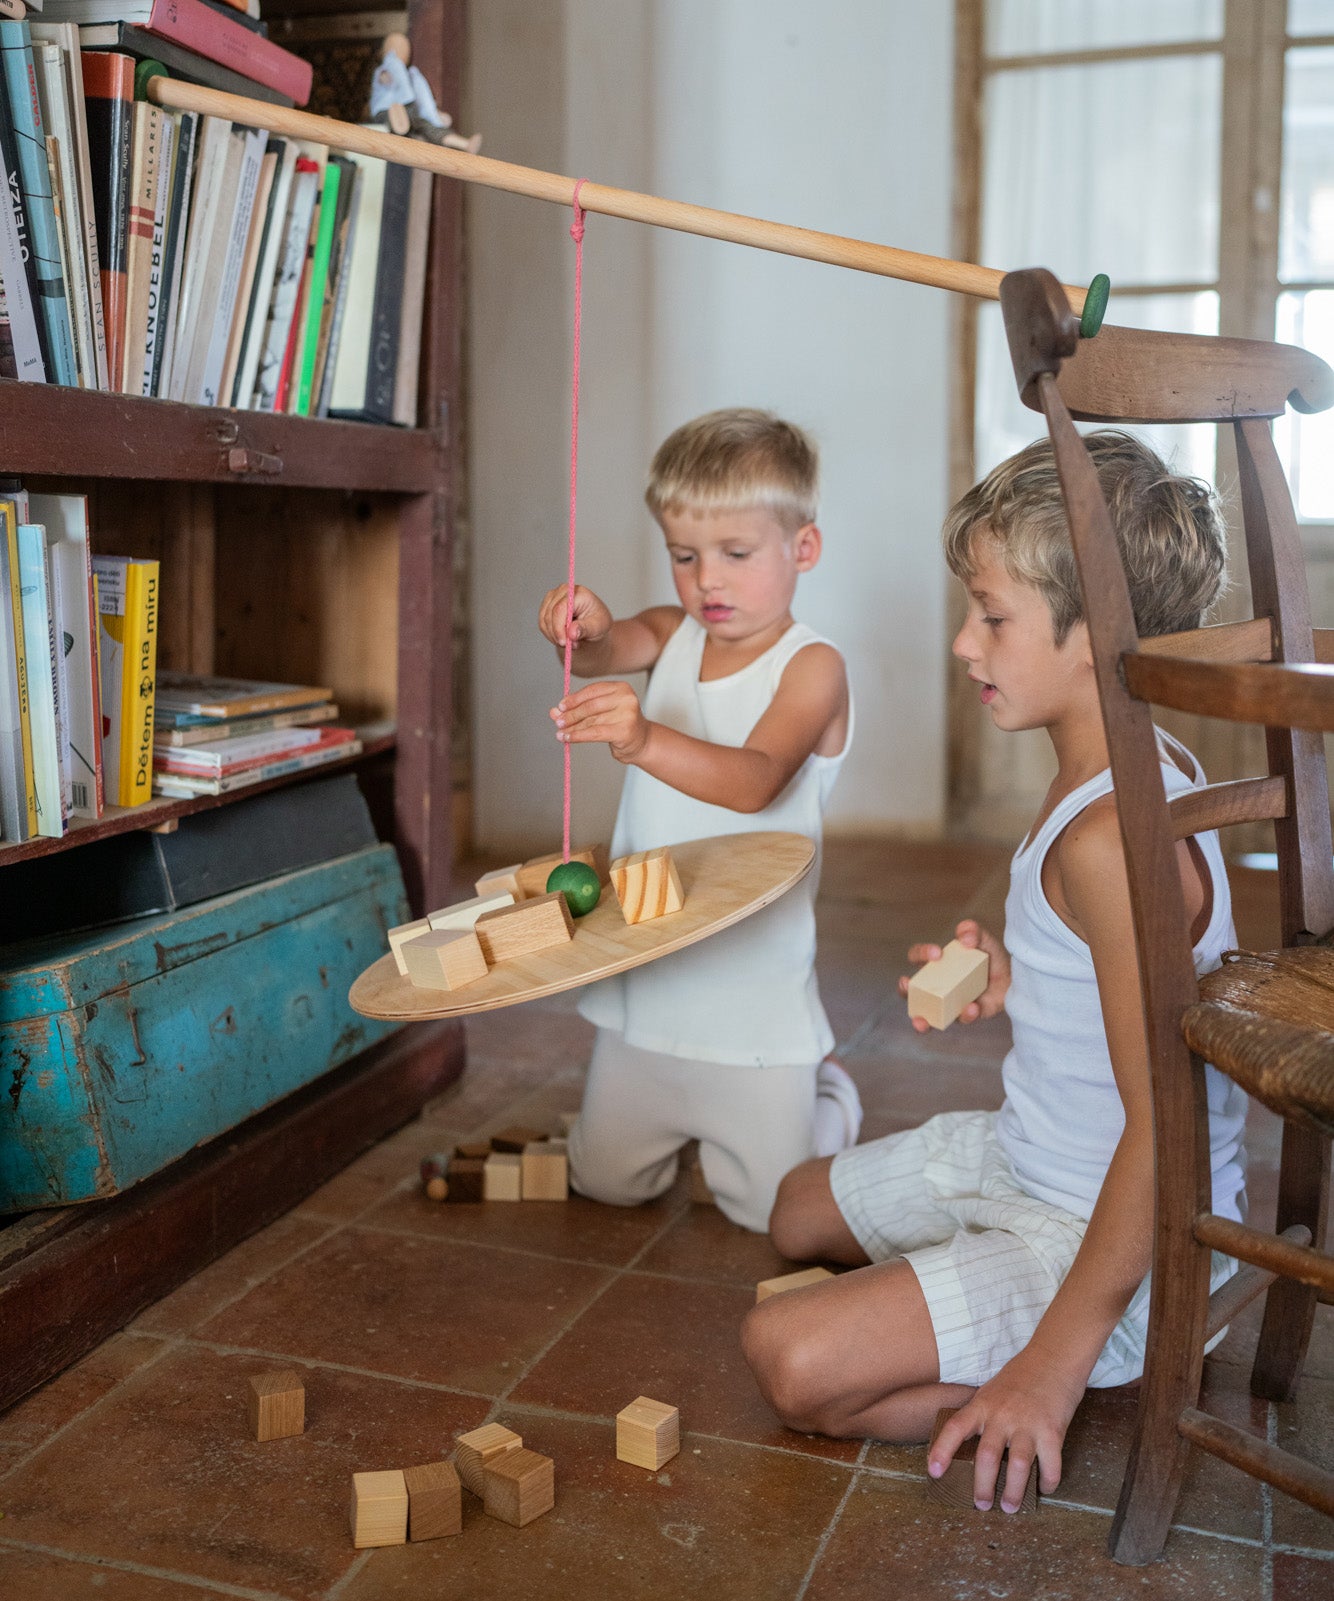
[592, 621]
[992, 999]
[605, 712]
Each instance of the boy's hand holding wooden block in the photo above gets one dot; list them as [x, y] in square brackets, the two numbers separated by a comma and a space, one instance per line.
[647, 885]
[481, 1446]
[954, 1487]
[277, 1403]
[444, 960]
[648, 1433]
[525, 928]
[790, 1281]
[940, 990]
[518, 1486]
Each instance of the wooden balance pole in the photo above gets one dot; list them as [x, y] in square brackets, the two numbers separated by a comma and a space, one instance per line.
[859, 254]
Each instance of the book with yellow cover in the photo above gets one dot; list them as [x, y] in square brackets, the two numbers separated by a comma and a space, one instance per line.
[128, 626]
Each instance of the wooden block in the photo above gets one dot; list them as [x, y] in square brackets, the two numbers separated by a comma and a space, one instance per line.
[480, 1447]
[516, 1139]
[565, 1121]
[519, 1486]
[502, 1177]
[466, 1178]
[532, 876]
[444, 960]
[940, 990]
[531, 926]
[700, 1193]
[398, 937]
[790, 1281]
[546, 1171]
[647, 885]
[501, 880]
[464, 914]
[477, 1152]
[435, 1501]
[277, 1403]
[379, 1508]
[954, 1487]
[648, 1433]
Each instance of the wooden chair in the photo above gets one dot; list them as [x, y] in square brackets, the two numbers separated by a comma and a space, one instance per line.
[1268, 1021]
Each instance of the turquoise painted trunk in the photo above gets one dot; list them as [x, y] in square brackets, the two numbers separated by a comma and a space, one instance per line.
[123, 1048]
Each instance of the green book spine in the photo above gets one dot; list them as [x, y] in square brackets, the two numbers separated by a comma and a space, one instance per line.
[319, 274]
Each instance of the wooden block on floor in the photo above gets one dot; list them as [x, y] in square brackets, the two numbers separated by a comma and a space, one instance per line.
[546, 1171]
[954, 1487]
[277, 1403]
[700, 1193]
[790, 1281]
[444, 959]
[516, 1138]
[532, 876]
[647, 885]
[501, 880]
[379, 1508]
[526, 928]
[519, 1486]
[398, 937]
[464, 914]
[940, 990]
[502, 1177]
[565, 1121]
[648, 1433]
[477, 1151]
[476, 1449]
[466, 1179]
[435, 1501]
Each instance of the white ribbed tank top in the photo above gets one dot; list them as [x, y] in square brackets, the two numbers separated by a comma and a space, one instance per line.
[747, 995]
[1062, 1115]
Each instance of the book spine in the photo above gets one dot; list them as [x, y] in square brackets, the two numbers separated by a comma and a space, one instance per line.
[41, 679]
[382, 369]
[182, 785]
[178, 213]
[9, 367]
[305, 185]
[157, 256]
[52, 83]
[140, 671]
[145, 146]
[62, 642]
[329, 357]
[257, 314]
[71, 65]
[319, 278]
[414, 296]
[108, 100]
[166, 736]
[58, 215]
[215, 356]
[18, 264]
[20, 756]
[203, 31]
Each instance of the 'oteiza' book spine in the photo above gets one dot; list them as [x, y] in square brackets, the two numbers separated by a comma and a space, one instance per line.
[18, 265]
[108, 83]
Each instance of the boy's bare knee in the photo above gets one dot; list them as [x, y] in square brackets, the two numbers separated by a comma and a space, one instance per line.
[790, 1366]
[794, 1221]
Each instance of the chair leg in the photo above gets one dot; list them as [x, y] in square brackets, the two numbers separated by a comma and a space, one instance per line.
[1303, 1197]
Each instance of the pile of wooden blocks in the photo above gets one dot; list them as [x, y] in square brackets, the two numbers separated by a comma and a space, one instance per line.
[517, 1164]
[395, 1505]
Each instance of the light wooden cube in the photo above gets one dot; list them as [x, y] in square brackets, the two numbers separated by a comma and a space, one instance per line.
[954, 1487]
[502, 879]
[790, 1281]
[277, 1404]
[940, 990]
[502, 1177]
[398, 937]
[480, 1447]
[648, 1433]
[532, 876]
[647, 885]
[464, 914]
[526, 928]
[435, 1501]
[519, 1486]
[448, 959]
[379, 1508]
[546, 1171]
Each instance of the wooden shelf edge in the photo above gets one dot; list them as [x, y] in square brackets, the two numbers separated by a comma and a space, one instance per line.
[154, 813]
[54, 431]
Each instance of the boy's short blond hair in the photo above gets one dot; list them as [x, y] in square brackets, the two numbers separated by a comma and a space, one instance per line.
[1168, 527]
[736, 460]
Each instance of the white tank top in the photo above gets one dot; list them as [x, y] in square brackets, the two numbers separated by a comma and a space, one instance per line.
[747, 995]
[1062, 1115]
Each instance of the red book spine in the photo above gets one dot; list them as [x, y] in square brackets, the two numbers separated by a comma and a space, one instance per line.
[199, 29]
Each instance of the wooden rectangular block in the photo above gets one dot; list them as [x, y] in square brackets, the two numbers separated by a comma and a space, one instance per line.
[954, 1488]
[476, 1449]
[435, 1501]
[648, 1433]
[464, 914]
[647, 885]
[502, 1177]
[516, 1138]
[940, 990]
[476, 1152]
[523, 929]
[379, 1508]
[447, 959]
[398, 937]
[700, 1193]
[500, 880]
[532, 876]
[466, 1179]
[790, 1281]
[519, 1486]
[277, 1404]
[546, 1171]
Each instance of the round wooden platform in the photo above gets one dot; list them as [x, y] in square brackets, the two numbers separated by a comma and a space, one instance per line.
[724, 879]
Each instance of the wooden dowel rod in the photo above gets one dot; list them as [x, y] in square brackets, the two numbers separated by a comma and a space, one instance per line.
[837, 251]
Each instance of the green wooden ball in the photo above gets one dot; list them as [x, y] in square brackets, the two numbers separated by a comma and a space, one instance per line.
[578, 883]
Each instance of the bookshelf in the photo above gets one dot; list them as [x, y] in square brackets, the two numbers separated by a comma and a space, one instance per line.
[291, 548]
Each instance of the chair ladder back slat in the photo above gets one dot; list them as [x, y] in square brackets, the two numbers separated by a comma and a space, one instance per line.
[1247, 641]
[1236, 800]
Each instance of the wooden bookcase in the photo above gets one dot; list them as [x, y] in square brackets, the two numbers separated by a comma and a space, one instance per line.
[294, 549]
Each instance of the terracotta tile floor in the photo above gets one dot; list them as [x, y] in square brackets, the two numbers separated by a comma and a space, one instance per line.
[132, 1478]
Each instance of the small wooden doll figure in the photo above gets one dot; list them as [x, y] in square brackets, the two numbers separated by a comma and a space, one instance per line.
[401, 98]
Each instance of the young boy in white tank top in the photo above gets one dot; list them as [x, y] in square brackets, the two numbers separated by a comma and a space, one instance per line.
[744, 726]
[1009, 1252]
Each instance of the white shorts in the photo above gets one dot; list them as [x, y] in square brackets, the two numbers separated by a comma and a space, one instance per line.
[988, 1256]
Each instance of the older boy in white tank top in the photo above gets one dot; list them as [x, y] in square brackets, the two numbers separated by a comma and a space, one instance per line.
[1010, 1251]
[744, 725]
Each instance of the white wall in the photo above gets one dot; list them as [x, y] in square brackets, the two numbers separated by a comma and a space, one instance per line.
[834, 117]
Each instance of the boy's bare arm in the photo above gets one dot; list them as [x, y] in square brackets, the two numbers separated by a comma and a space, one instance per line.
[603, 644]
[811, 697]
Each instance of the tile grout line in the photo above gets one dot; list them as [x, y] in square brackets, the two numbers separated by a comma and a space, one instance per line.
[827, 1536]
[354, 1570]
[143, 1570]
[1267, 1511]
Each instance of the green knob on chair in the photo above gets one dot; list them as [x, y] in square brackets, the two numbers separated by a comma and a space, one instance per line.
[144, 74]
[1095, 306]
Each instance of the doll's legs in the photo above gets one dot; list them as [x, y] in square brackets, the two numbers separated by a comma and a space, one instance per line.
[753, 1125]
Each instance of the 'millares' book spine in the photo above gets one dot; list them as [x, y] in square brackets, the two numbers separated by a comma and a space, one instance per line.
[214, 36]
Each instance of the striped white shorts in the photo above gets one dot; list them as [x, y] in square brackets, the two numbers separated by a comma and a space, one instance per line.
[989, 1256]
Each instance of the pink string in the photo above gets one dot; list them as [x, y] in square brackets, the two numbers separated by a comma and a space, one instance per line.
[577, 234]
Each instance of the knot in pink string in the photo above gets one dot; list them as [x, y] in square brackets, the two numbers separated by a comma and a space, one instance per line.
[577, 226]
[577, 234]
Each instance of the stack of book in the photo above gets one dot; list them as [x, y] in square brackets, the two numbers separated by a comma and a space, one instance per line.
[170, 254]
[215, 735]
[78, 655]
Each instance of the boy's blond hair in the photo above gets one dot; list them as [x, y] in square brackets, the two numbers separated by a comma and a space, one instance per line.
[736, 460]
[1168, 527]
